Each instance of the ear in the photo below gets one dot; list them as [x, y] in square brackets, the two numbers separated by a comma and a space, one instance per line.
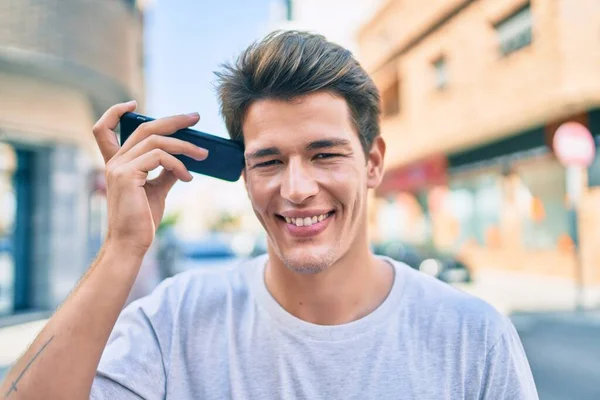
[375, 163]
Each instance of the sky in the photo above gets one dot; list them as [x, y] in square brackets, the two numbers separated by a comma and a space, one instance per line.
[185, 42]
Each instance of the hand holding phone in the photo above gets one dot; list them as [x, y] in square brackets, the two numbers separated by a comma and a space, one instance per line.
[225, 157]
[136, 204]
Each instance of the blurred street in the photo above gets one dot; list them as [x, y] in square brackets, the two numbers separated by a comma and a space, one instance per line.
[564, 353]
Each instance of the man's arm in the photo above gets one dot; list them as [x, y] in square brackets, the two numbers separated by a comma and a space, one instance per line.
[507, 374]
[62, 361]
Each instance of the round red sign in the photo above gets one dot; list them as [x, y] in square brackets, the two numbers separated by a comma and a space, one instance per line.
[574, 145]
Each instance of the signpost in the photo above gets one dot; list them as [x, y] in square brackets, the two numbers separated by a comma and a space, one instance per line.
[574, 147]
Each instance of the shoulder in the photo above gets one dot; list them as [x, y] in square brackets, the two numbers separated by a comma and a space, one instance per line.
[203, 289]
[212, 284]
[442, 306]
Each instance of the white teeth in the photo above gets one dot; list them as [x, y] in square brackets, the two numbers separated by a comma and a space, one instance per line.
[306, 221]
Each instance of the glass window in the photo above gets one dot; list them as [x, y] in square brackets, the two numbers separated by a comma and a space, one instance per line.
[594, 169]
[8, 208]
[515, 32]
[542, 187]
[475, 204]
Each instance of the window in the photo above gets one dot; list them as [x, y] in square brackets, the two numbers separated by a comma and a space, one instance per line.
[441, 73]
[289, 10]
[391, 99]
[8, 205]
[542, 188]
[515, 31]
[130, 3]
[475, 204]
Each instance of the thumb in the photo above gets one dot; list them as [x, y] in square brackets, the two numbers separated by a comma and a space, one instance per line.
[164, 182]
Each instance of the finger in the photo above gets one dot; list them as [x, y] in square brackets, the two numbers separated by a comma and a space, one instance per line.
[155, 158]
[169, 144]
[165, 181]
[104, 129]
[162, 126]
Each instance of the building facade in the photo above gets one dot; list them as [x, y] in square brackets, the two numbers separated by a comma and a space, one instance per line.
[62, 64]
[472, 94]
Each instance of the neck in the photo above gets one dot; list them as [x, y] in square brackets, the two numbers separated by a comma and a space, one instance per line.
[348, 290]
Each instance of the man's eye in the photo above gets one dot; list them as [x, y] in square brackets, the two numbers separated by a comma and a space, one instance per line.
[326, 155]
[266, 163]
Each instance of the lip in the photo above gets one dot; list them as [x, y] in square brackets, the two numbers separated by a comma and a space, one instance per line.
[306, 231]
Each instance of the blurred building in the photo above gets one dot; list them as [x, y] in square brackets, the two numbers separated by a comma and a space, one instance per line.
[472, 93]
[62, 64]
[337, 20]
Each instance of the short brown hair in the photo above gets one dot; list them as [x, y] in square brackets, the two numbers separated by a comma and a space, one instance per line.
[288, 64]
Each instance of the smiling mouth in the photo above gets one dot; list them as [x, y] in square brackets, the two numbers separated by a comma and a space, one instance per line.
[306, 221]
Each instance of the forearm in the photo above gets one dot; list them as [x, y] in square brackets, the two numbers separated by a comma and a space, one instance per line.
[62, 361]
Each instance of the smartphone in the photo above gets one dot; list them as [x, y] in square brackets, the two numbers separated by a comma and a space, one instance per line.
[225, 157]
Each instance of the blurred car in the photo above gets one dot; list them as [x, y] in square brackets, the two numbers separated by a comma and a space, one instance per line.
[5, 245]
[399, 251]
[207, 252]
[445, 267]
[260, 246]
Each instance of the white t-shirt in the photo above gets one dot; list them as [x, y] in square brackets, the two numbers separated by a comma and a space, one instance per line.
[220, 334]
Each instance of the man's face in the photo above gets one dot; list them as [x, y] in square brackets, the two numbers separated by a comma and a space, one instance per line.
[307, 178]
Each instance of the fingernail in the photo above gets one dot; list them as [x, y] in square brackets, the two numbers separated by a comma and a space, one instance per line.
[193, 115]
[202, 155]
[131, 102]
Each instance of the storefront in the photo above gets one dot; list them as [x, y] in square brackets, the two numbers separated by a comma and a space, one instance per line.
[516, 203]
[403, 201]
[15, 228]
[506, 206]
[500, 206]
[8, 205]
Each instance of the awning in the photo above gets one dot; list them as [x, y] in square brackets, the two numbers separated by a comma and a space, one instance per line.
[415, 177]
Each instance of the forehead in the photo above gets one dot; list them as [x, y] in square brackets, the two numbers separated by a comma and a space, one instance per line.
[281, 123]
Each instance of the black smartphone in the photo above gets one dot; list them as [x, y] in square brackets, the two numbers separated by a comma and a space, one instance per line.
[225, 156]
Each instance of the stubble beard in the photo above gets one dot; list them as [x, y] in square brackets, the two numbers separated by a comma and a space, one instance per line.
[312, 264]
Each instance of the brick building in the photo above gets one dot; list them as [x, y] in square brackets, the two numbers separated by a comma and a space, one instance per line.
[473, 91]
[62, 64]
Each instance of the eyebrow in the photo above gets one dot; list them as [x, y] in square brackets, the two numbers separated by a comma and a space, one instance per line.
[269, 151]
[327, 144]
[316, 145]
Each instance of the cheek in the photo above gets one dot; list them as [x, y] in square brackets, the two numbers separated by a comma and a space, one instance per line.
[260, 192]
[343, 181]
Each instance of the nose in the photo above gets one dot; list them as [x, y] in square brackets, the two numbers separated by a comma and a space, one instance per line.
[298, 184]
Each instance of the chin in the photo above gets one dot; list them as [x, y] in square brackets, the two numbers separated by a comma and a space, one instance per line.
[312, 263]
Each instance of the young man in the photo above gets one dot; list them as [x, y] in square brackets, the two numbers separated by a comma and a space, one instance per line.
[318, 317]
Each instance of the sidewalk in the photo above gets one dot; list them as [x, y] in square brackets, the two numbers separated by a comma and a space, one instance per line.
[513, 292]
